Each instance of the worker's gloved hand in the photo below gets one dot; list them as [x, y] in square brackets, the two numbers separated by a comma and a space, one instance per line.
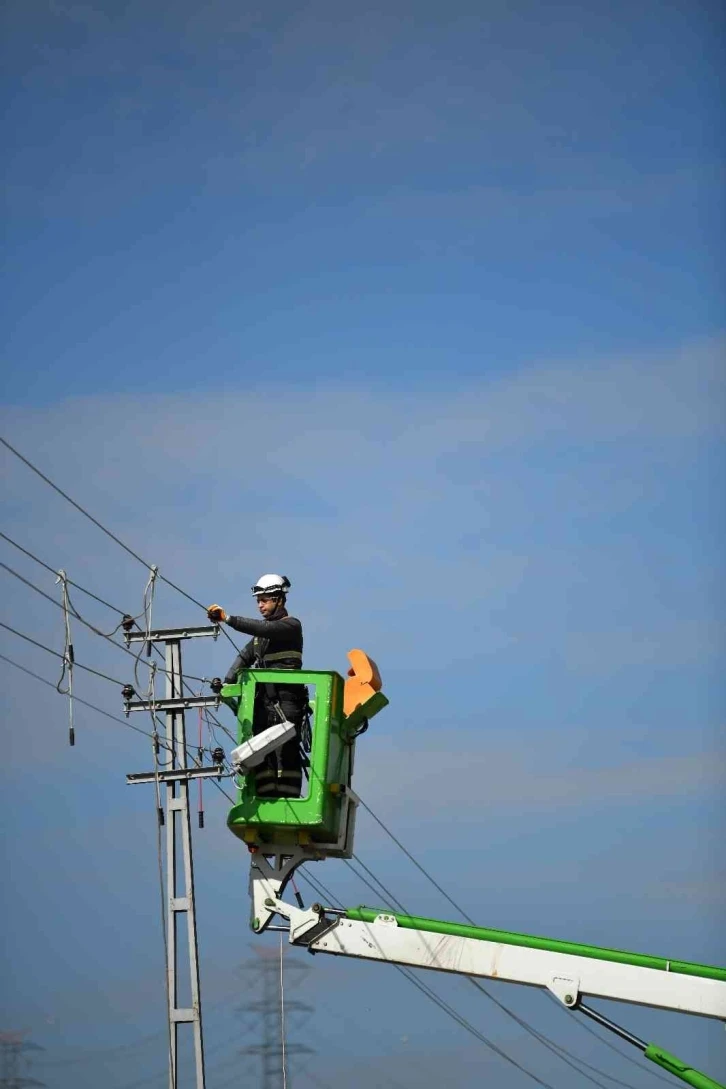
[216, 614]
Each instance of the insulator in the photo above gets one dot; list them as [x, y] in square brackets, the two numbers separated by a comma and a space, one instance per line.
[160, 813]
[128, 622]
[201, 818]
[218, 755]
[71, 737]
[127, 691]
[216, 685]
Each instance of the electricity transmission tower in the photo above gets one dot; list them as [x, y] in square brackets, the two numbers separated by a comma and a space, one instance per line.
[14, 1060]
[276, 976]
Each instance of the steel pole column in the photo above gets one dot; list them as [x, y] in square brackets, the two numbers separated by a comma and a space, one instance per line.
[180, 894]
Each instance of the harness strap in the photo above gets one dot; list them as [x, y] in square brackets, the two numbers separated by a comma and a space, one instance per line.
[282, 656]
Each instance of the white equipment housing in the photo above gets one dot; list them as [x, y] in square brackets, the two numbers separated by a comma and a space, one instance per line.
[251, 753]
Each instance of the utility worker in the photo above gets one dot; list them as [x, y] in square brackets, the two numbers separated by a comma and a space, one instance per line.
[277, 643]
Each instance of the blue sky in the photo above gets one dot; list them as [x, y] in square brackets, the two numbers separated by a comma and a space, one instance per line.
[423, 306]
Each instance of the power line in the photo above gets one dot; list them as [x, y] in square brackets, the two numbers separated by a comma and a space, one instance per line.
[103, 528]
[189, 597]
[114, 608]
[440, 1002]
[114, 718]
[623, 1054]
[557, 1049]
[74, 613]
[545, 1040]
[104, 676]
[53, 571]
[86, 514]
[88, 669]
[99, 710]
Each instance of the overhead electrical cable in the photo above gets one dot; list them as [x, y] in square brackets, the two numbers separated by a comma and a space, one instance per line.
[78, 699]
[103, 529]
[623, 1054]
[53, 571]
[505, 1009]
[96, 631]
[437, 1000]
[78, 616]
[55, 653]
[74, 612]
[189, 597]
[107, 714]
[561, 1052]
[422, 985]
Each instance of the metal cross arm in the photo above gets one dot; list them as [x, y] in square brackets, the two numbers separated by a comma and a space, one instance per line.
[163, 635]
[176, 703]
[180, 775]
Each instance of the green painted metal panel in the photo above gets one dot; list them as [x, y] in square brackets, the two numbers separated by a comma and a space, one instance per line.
[554, 945]
[681, 1070]
[317, 813]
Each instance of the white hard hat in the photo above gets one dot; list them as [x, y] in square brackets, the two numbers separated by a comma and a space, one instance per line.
[271, 584]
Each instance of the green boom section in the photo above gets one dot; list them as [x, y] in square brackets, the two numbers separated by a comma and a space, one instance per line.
[554, 945]
[681, 1070]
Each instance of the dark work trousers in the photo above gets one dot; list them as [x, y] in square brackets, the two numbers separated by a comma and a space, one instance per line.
[280, 776]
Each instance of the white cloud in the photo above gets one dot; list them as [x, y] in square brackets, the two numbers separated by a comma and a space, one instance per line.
[476, 513]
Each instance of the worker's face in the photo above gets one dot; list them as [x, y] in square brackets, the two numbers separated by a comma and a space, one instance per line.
[267, 603]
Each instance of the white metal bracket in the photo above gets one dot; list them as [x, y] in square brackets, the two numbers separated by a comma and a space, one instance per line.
[566, 989]
[271, 867]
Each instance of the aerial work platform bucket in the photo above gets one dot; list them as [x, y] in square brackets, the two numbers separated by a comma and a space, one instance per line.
[322, 817]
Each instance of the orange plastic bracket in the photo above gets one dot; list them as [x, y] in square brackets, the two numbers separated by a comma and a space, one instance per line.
[364, 681]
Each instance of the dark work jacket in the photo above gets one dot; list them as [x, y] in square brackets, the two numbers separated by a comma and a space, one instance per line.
[276, 644]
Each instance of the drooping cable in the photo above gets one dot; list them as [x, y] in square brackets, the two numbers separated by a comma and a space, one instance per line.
[575, 1062]
[75, 613]
[607, 1043]
[437, 1000]
[174, 586]
[47, 566]
[543, 1039]
[106, 714]
[68, 658]
[103, 529]
[78, 665]
[283, 1055]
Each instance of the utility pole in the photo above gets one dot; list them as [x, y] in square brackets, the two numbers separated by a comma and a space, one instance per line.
[13, 1060]
[272, 1010]
[179, 887]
